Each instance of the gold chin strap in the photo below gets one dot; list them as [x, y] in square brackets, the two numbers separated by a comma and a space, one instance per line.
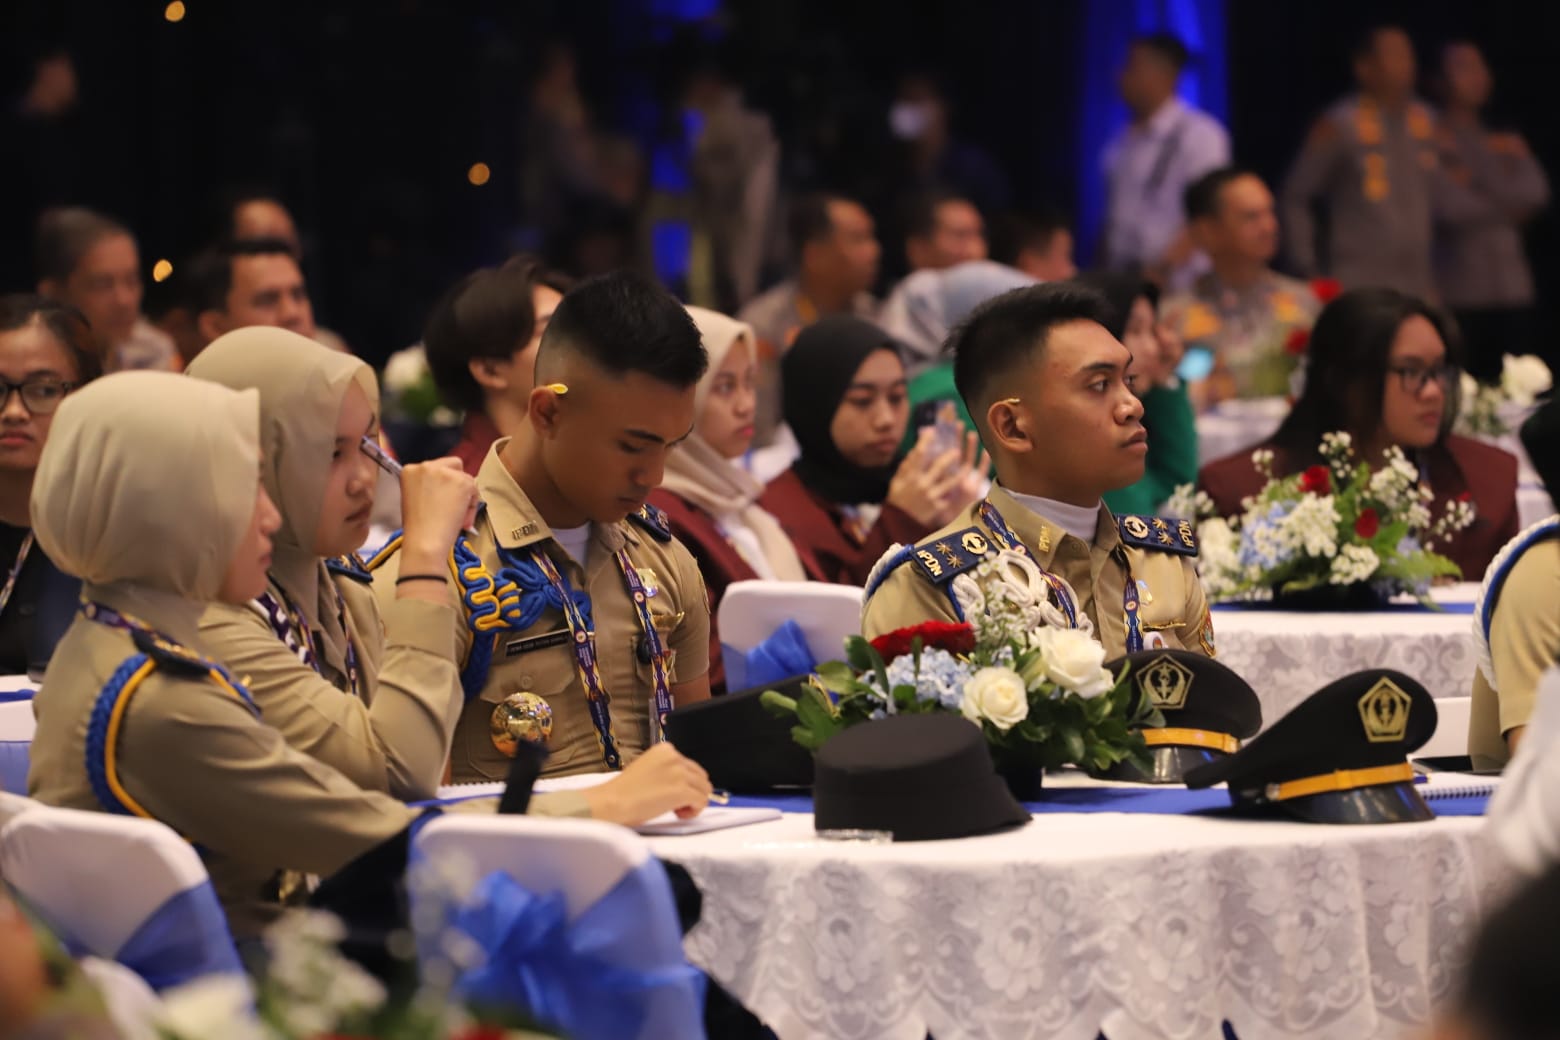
[1341, 780]
[1191, 738]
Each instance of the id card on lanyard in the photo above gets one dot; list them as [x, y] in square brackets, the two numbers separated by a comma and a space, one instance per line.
[587, 660]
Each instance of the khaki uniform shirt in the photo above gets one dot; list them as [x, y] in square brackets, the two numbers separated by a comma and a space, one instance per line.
[1245, 329]
[394, 734]
[541, 660]
[1524, 642]
[1378, 176]
[192, 754]
[1172, 608]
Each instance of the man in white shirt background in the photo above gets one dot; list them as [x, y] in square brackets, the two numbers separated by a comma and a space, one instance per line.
[1149, 163]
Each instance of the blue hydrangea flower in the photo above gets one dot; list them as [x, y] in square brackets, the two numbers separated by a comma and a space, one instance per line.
[941, 678]
[1260, 545]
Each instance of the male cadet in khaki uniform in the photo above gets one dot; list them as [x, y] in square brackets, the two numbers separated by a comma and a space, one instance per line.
[1051, 391]
[1372, 160]
[582, 621]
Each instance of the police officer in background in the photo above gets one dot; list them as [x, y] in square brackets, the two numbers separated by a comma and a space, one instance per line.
[1051, 391]
[1372, 162]
[581, 620]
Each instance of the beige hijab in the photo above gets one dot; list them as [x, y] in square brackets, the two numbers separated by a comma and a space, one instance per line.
[302, 386]
[699, 474]
[145, 490]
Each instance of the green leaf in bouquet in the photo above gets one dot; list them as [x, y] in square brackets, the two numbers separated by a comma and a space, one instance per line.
[904, 698]
[778, 703]
[838, 677]
[817, 717]
[863, 657]
[1073, 741]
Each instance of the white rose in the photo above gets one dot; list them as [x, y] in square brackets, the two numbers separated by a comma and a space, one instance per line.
[1524, 378]
[1073, 660]
[997, 695]
[405, 368]
[209, 1006]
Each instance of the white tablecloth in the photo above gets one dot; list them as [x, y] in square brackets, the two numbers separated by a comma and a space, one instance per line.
[1143, 926]
[1288, 656]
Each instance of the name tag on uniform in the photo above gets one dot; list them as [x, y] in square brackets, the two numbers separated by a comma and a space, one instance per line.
[522, 646]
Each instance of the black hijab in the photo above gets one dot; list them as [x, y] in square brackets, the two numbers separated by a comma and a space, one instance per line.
[814, 375]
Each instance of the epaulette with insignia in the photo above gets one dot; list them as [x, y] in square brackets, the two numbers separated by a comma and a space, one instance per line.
[180, 660]
[350, 567]
[653, 520]
[944, 558]
[1158, 533]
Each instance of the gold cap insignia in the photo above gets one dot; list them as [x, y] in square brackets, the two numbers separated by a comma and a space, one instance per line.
[974, 544]
[1135, 526]
[1384, 712]
[1166, 681]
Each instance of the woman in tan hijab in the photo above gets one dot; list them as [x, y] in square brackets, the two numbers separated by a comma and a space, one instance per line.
[374, 697]
[158, 522]
[711, 500]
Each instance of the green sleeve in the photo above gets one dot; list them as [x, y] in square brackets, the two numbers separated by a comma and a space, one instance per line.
[1172, 452]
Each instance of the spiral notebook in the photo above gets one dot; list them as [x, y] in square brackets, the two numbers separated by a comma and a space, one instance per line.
[1458, 785]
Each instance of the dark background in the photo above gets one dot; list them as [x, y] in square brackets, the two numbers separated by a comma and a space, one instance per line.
[365, 116]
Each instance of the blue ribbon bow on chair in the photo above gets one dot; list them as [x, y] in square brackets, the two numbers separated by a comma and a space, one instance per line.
[573, 975]
[782, 655]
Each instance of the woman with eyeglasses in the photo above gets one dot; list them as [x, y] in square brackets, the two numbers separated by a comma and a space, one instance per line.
[1384, 366]
[45, 353]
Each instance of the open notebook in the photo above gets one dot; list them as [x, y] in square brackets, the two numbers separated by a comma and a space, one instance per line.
[714, 818]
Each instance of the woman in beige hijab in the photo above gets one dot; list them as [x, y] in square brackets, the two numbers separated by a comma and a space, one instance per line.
[709, 498]
[374, 697]
[151, 491]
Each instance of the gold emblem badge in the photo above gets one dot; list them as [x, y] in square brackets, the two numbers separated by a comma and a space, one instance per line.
[948, 553]
[1384, 712]
[648, 579]
[974, 544]
[1184, 529]
[1135, 526]
[1043, 542]
[930, 562]
[1166, 682]
[520, 718]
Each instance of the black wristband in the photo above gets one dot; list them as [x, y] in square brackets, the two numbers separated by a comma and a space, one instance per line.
[440, 578]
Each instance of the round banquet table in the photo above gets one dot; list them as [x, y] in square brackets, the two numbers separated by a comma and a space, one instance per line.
[1288, 655]
[1135, 925]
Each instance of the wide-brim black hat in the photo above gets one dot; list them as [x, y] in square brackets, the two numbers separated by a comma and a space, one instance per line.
[742, 745]
[919, 777]
[1208, 710]
[1341, 756]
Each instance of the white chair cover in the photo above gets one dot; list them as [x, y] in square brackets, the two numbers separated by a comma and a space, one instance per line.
[118, 887]
[751, 611]
[591, 865]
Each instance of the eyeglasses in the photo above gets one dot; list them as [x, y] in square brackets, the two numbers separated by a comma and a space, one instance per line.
[39, 396]
[1414, 377]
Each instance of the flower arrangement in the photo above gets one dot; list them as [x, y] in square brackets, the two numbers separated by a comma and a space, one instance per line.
[1267, 364]
[1340, 524]
[1036, 687]
[1487, 409]
[410, 392]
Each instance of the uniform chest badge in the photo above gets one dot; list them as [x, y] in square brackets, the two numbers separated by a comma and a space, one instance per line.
[651, 583]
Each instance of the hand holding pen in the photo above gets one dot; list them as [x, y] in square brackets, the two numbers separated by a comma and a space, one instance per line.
[438, 501]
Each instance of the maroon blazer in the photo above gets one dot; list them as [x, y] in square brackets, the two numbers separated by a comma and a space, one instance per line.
[1461, 465]
[718, 561]
[822, 537]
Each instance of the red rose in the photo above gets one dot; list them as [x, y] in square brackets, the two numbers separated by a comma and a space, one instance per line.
[1297, 341]
[1326, 289]
[956, 638]
[1316, 481]
[1367, 525]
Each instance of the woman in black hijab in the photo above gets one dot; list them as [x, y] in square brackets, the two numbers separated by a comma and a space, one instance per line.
[850, 496]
